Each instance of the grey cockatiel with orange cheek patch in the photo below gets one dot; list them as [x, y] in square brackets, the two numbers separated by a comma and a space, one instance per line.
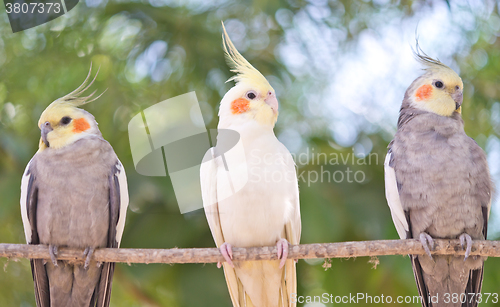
[74, 194]
[265, 211]
[438, 185]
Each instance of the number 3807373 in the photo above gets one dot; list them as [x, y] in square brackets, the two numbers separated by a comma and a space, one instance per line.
[30, 8]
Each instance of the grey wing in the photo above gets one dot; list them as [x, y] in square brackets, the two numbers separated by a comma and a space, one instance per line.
[475, 282]
[401, 219]
[28, 202]
[118, 203]
[419, 280]
[474, 285]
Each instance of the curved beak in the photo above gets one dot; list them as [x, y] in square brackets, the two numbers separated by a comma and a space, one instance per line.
[458, 97]
[46, 128]
[272, 101]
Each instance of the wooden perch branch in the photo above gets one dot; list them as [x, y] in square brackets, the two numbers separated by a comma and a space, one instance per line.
[210, 255]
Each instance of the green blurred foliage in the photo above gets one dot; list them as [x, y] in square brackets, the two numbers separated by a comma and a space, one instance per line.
[151, 51]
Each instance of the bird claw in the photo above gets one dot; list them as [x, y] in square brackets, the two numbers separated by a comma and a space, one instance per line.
[88, 252]
[466, 238]
[227, 253]
[53, 254]
[427, 241]
[282, 246]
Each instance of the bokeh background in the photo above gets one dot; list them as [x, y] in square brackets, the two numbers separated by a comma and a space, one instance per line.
[340, 69]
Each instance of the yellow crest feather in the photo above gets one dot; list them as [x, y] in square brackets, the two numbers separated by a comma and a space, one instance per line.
[245, 72]
[73, 98]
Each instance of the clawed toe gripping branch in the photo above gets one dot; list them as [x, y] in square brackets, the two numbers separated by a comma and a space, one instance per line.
[302, 251]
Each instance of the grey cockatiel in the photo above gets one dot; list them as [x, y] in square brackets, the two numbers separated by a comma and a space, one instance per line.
[438, 184]
[73, 193]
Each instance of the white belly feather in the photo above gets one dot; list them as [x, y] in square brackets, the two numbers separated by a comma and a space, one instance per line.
[256, 215]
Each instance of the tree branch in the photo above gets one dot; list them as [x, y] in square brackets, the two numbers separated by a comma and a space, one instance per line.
[210, 255]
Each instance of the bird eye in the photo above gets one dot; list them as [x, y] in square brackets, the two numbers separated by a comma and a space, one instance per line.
[251, 95]
[439, 84]
[65, 120]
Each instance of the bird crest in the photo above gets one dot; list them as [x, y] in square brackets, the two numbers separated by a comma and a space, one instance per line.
[75, 99]
[245, 72]
[428, 62]
[71, 101]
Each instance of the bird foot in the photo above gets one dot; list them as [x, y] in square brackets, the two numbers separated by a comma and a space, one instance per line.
[282, 246]
[466, 238]
[427, 242]
[227, 253]
[53, 254]
[88, 252]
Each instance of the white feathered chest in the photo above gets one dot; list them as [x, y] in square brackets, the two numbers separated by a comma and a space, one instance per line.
[265, 186]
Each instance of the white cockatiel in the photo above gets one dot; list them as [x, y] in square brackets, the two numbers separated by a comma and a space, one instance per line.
[265, 210]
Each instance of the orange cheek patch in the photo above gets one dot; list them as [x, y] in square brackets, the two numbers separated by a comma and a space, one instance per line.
[80, 125]
[240, 105]
[424, 92]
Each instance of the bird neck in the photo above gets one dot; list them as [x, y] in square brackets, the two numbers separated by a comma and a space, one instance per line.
[245, 127]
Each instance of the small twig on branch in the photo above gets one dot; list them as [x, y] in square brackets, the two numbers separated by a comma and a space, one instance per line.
[210, 255]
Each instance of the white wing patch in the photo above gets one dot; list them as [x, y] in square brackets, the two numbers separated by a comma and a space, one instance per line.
[393, 200]
[122, 183]
[24, 210]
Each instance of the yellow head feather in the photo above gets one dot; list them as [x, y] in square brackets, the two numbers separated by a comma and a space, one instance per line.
[63, 122]
[73, 99]
[252, 97]
[427, 96]
[245, 72]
